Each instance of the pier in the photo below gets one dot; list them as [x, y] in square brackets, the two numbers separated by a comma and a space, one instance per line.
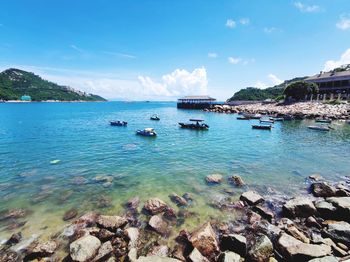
[195, 102]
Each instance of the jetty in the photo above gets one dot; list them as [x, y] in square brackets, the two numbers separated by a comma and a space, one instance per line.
[195, 102]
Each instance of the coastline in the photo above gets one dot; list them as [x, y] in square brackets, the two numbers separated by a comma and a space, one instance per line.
[300, 110]
[311, 225]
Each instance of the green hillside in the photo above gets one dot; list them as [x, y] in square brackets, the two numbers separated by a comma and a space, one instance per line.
[256, 94]
[15, 83]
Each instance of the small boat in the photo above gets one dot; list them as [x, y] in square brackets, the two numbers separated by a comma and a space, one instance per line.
[323, 120]
[198, 125]
[155, 117]
[243, 118]
[320, 128]
[118, 123]
[252, 116]
[263, 127]
[146, 132]
[277, 119]
[264, 120]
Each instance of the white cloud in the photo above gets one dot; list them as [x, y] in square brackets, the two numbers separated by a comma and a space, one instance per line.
[76, 48]
[244, 21]
[121, 55]
[307, 8]
[178, 83]
[344, 22]
[344, 59]
[213, 55]
[274, 79]
[234, 60]
[269, 30]
[230, 23]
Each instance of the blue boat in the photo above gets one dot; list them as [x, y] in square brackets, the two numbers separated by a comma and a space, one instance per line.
[146, 132]
[118, 123]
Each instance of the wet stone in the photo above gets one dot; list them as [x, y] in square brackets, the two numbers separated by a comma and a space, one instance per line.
[251, 197]
[214, 179]
[322, 189]
[111, 222]
[159, 225]
[299, 207]
[133, 203]
[14, 239]
[261, 250]
[180, 201]
[155, 206]
[234, 242]
[237, 181]
[72, 213]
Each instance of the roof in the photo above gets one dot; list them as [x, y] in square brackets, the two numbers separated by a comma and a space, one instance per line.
[329, 76]
[197, 98]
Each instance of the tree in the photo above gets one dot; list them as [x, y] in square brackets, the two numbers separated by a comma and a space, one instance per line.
[298, 90]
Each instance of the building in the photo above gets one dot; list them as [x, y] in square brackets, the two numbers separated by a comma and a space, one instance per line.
[26, 98]
[195, 102]
[332, 85]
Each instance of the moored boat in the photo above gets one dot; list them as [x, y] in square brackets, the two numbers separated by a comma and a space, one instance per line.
[146, 132]
[265, 120]
[243, 118]
[320, 128]
[277, 119]
[198, 125]
[263, 127]
[323, 120]
[155, 117]
[118, 123]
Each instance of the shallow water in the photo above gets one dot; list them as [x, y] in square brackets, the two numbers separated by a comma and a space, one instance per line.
[79, 135]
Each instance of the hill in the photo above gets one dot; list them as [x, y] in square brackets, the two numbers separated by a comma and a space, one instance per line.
[257, 94]
[15, 83]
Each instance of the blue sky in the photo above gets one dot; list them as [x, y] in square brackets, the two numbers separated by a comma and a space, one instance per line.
[160, 49]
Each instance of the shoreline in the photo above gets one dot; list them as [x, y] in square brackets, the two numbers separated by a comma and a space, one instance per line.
[300, 110]
[313, 224]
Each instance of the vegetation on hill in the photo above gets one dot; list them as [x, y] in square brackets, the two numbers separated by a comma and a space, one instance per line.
[15, 83]
[257, 94]
[298, 90]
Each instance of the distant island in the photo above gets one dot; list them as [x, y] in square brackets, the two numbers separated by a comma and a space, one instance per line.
[16, 84]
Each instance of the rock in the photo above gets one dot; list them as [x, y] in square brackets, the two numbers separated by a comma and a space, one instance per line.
[295, 250]
[294, 232]
[13, 214]
[104, 252]
[88, 219]
[103, 179]
[299, 207]
[251, 197]
[133, 203]
[160, 251]
[9, 256]
[324, 259]
[269, 230]
[204, 239]
[133, 235]
[14, 239]
[42, 250]
[196, 256]
[312, 222]
[169, 213]
[178, 252]
[157, 259]
[237, 181]
[84, 248]
[180, 201]
[72, 213]
[159, 225]
[253, 218]
[342, 205]
[155, 206]
[315, 177]
[111, 222]
[322, 189]
[326, 209]
[339, 232]
[132, 255]
[229, 256]
[188, 197]
[214, 179]
[235, 243]
[105, 234]
[261, 250]
[265, 212]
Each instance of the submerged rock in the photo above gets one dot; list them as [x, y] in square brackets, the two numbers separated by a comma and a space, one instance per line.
[72, 213]
[84, 248]
[13, 214]
[159, 225]
[237, 181]
[111, 222]
[214, 178]
[133, 203]
[251, 197]
[299, 207]
[180, 201]
[204, 239]
[155, 206]
[14, 239]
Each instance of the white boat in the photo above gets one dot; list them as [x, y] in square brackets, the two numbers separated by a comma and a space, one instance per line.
[146, 132]
[320, 128]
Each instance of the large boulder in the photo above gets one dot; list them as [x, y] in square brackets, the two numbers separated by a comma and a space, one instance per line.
[111, 222]
[251, 197]
[155, 206]
[42, 250]
[235, 243]
[323, 189]
[204, 239]
[104, 252]
[261, 250]
[133, 235]
[339, 232]
[293, 249]
[159, 225]
[299, 207]
[214, 179]
[342, 205]
[85, 248]
[325, 209]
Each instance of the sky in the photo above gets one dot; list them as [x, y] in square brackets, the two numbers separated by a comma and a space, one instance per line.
[163, 50]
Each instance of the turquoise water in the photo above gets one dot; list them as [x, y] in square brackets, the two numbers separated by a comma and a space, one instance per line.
[79, 135]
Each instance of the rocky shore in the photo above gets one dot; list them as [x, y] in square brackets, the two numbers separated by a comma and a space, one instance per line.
[310, 227]
[298, 110]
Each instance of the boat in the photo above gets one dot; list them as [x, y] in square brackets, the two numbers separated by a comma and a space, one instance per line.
[118, 123]
[323, 120]
[288, 117]
[264, 120]
[198, 125]
[146, 132]
[243, 118]
[155, 117]
[263, 127]
[252, 116]
[320, 128]
[277, 119]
